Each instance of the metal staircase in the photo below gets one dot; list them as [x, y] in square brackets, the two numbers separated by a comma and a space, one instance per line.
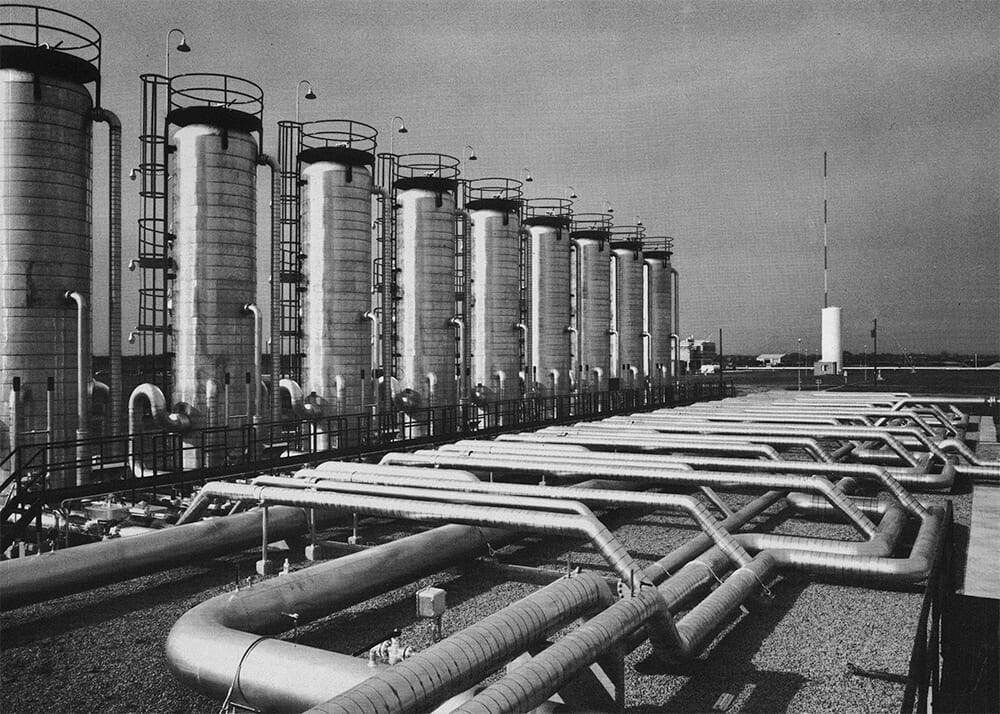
[156, 265]
[290, 268]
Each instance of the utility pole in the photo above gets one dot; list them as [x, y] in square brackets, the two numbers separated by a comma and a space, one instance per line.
[875, 347]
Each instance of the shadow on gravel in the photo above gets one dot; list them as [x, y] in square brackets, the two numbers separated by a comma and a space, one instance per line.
[38, 622]
[726, 667]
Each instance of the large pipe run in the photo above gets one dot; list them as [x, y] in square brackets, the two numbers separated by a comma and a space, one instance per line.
[619, 468]
[62, 572]
[222, 646]
[114, 264]
[83, 371]
[506, 518]
[503, 493]
[416, 684]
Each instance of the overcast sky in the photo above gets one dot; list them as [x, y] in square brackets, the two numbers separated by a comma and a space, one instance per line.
[707, 120]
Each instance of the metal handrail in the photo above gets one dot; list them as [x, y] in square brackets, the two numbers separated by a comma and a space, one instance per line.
[203, 89]
[36, 35]
[548, 207]
[493, 188]
[245, 445]
[339, 133]
[427, 165]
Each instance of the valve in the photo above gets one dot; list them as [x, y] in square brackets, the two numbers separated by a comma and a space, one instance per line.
[391, 651]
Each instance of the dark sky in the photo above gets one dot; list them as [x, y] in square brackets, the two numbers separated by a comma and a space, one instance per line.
[708, 120]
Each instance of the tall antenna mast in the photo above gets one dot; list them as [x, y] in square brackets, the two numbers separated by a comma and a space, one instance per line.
[826, 301]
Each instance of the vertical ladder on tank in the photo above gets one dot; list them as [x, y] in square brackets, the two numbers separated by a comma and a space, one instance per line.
[463, 265]
[157, 267]
[290, 268]
[384, 282]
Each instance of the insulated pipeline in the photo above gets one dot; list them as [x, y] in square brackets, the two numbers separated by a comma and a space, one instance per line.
[503, 493]
[640, 435]
[24, 581]
[623, 468]
[509, 518]
[114, 264]
[265, 160]
[416, 684]
[532, 683]
[222, 644]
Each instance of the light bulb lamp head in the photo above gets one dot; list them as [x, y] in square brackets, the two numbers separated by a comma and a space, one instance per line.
[310, 94]
[527, 172]
[572, 192]
[183, 46]
[402, 129]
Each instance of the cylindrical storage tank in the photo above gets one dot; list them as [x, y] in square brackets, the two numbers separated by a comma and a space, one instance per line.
[215, 224]
[338, 159]
[550, 296]
[45, 229]
[832, 351]
[626, 247]
[494, 286]
[590, 233]
[426, 337]
[656, 254]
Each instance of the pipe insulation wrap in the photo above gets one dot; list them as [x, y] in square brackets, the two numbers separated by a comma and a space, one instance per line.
[62, 572]
[416, 684]
[210, 647]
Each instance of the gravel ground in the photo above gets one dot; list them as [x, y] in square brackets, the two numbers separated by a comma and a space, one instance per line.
[104, 650]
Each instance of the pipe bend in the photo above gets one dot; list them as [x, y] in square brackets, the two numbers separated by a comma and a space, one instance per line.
[300, 407]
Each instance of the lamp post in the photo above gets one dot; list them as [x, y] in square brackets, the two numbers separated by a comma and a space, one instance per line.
[798, 370]
[310, 94]
[526, 173]
[572, 192]
[181, 47]
[402, 129]
[608, 208]
[470, 155]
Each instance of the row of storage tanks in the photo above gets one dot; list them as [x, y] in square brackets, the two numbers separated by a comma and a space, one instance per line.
[588, 319]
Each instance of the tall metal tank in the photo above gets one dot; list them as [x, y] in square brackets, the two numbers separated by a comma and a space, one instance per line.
[590, 233]
[426, 186]
[550, 296]
[627, 340]
[215, 223]
[656, 252]
[338, 161]
[45, 233]
[494, 311]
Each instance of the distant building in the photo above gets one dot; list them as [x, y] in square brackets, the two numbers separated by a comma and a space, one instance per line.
[695, 354]
[770, 360]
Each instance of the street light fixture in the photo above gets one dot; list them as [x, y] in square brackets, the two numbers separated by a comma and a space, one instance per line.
[310, 94]
[402, 129]
[527, 174]
[572, 192]
[470, 155]
[183, 46]
[798, 354]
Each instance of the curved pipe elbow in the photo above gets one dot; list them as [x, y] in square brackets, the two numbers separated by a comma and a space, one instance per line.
[100, 114]
[177, 422]
[299, 406]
